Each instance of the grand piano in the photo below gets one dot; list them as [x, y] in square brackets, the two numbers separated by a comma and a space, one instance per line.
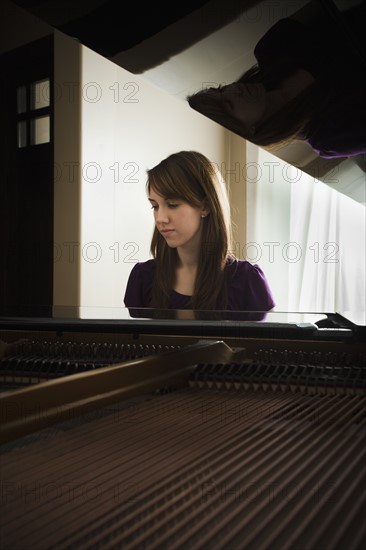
[229, 430]
[146, 429]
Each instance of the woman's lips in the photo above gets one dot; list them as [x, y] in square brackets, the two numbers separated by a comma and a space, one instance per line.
[166, 232]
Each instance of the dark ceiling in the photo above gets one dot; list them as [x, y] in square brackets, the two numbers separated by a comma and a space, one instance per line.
[110, 27]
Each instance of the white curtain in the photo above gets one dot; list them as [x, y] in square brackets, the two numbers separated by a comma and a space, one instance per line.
[311, 237]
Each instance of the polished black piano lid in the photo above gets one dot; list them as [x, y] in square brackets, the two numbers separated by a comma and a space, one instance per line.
[222, 324]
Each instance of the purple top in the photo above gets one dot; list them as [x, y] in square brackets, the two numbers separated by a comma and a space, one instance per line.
[248, 289]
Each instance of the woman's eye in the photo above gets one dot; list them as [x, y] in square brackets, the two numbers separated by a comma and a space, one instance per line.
[173, 205]
[153, 207]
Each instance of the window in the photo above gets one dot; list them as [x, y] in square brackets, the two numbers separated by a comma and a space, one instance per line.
[33, 113]
[40, 94]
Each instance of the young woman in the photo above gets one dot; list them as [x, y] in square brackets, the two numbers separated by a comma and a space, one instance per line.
[191, 266]
[307, 85]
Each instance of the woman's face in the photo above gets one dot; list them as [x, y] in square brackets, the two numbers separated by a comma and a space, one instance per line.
[177, 221]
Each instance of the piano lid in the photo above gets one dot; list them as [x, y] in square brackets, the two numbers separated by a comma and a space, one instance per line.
[273, 324]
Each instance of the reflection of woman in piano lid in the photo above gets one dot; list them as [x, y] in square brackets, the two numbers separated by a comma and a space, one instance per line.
[308, 84]
[192, 267]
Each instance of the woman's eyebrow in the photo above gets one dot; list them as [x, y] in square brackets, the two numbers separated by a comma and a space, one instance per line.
[165, 199]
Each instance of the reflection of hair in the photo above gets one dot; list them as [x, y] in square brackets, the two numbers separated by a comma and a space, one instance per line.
[288, 123]
[191, 177]
[331, 46]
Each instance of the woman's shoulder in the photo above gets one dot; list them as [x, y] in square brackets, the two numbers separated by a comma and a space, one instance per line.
[139, 284]
[248, 286]
[144, 268]
[142, 273]
[240, 267]
[241, 273]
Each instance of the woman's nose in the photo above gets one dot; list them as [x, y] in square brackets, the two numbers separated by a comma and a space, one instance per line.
[161, 215]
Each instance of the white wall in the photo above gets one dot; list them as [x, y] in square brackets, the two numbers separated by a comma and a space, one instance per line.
[67, 176]
[110, 127]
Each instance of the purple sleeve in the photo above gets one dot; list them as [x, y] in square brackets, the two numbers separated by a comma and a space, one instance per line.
[139, 285]
[343, 135]
[249, 289]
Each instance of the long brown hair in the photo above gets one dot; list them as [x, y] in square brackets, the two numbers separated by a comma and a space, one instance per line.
[193, 178]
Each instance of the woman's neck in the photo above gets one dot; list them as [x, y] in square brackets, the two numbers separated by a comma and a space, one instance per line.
[185, 279]
[188, 258]
[185, 273]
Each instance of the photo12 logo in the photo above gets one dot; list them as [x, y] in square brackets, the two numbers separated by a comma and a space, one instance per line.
[92, 252]
[291, 252]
